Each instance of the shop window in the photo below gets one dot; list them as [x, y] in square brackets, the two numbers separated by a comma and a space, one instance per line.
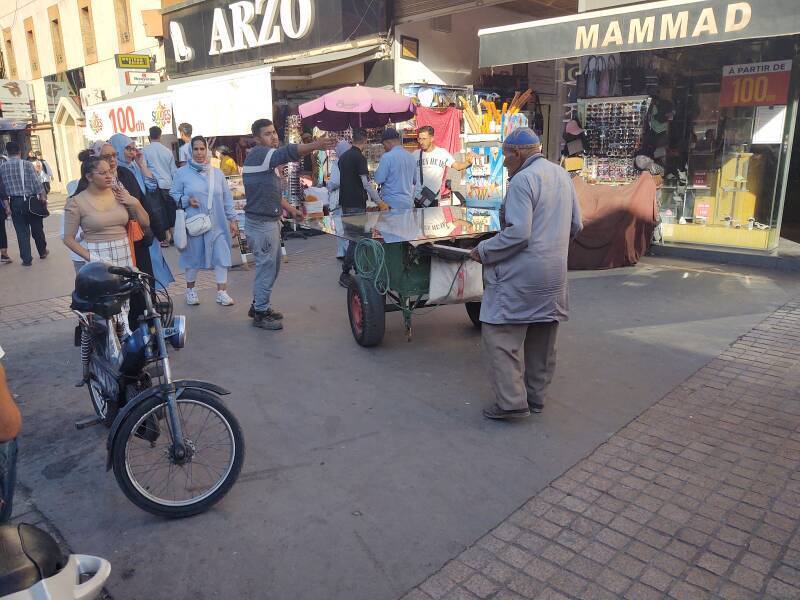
[718, 124]
[33, 52]
[57, 38]
[124, 33]
[87, 31]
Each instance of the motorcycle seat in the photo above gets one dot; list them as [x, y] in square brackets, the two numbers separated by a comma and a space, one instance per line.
[27, 555]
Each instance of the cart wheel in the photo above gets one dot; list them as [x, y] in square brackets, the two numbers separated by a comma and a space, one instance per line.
[366, 308]
[474, 312]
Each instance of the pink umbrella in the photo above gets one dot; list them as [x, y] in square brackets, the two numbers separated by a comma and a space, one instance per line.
[356, 106]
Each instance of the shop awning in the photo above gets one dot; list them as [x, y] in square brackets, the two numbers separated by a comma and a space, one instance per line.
[327, 63]
[225, 103]
[650, 26]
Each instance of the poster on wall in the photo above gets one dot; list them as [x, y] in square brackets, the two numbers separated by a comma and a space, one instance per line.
[15, 102]
[132, 117]
[755, 84]
[484, 181]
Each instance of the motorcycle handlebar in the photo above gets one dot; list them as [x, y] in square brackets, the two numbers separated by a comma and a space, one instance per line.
[122, 271]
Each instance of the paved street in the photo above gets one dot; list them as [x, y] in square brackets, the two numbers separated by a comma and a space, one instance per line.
[369, 470]
[698, 497]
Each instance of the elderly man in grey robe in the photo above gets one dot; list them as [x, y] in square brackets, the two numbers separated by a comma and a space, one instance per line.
[525, 277]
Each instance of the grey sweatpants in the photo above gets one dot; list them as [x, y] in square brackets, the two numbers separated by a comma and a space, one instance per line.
[264, 241]
[521, 360]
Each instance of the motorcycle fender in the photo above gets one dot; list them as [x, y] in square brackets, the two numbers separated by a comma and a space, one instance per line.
[181, 386]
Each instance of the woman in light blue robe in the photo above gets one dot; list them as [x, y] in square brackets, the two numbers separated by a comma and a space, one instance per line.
[210, 250]
[148, 184]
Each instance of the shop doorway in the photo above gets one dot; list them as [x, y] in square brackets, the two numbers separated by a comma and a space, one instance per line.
[69, 137]
[790, 228]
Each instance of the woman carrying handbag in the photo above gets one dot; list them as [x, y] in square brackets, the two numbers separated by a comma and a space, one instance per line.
[202, 192]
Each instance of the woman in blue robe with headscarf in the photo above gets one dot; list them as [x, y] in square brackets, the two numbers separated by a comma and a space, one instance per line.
[210, 250]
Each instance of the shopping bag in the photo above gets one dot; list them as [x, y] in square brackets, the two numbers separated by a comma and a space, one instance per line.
[179, 235]
[135, 234]
[455, 282]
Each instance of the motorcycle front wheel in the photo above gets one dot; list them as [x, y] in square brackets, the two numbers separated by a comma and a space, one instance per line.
[150, 475]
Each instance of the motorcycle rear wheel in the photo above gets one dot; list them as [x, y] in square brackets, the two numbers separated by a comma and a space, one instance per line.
[142, 452]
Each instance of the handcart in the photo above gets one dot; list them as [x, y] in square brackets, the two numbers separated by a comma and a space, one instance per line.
[394, 254]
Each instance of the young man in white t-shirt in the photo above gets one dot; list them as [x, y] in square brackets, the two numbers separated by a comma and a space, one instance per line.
[435, 162]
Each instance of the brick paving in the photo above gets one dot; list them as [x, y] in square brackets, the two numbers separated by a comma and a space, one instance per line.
[37, 312]
[699, 497]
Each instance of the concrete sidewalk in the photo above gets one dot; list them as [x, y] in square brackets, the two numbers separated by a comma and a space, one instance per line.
[698, 497]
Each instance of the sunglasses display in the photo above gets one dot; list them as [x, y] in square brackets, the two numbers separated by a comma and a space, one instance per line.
[613, 133]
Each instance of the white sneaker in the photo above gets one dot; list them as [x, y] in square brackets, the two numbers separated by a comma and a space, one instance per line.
[224, 299]
[191, 297]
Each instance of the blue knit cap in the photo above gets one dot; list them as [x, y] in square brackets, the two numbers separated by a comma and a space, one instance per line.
[523, 137]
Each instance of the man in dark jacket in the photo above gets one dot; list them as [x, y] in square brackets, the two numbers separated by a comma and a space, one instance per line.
[265, 205]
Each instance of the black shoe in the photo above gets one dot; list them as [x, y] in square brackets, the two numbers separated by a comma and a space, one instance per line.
[536, 408]
[27, 263]
[271, 314]
[497, 413]
[345, 279]
[44, 254]
[263, 321]
[274, 315]
[340, 258]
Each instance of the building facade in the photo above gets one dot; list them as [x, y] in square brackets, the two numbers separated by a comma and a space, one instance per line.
[63, 53]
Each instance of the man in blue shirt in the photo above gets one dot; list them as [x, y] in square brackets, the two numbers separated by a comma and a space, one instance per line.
[396, 172]
[265, 205]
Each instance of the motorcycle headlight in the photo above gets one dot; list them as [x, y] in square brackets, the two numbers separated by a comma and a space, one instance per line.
[176, 335]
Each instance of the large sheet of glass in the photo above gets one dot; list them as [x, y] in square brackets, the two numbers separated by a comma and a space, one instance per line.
[414, 225]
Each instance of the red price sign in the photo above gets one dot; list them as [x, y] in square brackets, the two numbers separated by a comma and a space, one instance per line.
[755, 84]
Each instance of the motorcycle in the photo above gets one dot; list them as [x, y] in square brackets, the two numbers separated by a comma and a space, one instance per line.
[32, 566]
[174, 447]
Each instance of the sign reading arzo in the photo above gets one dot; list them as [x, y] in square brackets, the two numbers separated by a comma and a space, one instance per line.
[219, 33]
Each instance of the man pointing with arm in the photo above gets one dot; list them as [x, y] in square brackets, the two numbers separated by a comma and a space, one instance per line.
[525, 277]
[265, 205]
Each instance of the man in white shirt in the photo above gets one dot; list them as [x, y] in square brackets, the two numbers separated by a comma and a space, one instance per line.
[185, 151]
[162, 163]
[434, 161]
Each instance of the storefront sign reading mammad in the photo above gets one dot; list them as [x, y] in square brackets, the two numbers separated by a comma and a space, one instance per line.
[648, 26]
